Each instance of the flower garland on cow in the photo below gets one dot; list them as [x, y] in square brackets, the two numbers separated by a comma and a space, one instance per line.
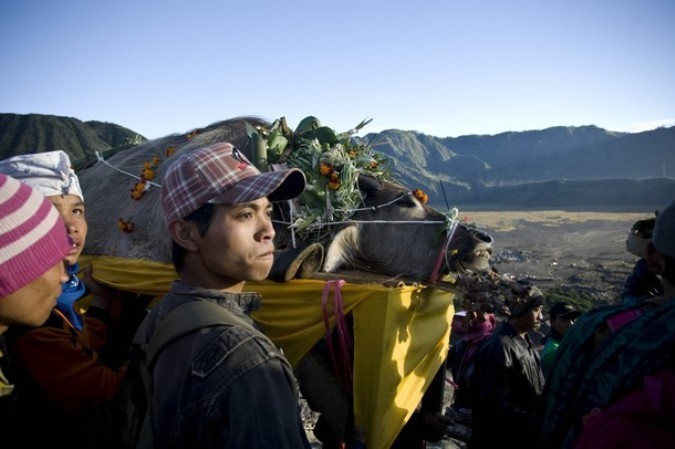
[332, 163]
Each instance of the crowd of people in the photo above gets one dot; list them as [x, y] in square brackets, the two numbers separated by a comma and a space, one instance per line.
[58, 366]
[224, 386]
[592, 383]
[604, 378]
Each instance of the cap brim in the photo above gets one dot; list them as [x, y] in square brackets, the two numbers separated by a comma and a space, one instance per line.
[574, 315]
[276, 186]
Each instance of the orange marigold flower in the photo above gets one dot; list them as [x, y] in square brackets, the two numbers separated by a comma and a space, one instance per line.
[125, 225]
[170, 150]
[149, 174]
[334, 182]
[137, 194]
[155, 161]
[325, 169]
[420, 195]
[139, 186]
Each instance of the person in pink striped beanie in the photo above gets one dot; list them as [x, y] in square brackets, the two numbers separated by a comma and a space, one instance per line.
[33, 247]
[62, 368]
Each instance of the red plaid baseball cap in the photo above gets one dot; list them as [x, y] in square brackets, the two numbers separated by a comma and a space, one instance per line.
[221, 174]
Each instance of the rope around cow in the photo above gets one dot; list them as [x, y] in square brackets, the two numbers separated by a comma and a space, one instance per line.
[450, 220]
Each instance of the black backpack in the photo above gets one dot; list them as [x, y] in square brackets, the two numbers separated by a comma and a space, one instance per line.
[125, 422]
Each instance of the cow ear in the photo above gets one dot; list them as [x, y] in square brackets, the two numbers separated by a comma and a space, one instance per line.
[369, 185]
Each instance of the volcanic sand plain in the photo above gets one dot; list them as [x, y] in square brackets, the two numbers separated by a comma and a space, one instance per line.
[584, 250]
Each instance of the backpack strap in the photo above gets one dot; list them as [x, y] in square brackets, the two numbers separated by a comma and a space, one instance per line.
[188, 318]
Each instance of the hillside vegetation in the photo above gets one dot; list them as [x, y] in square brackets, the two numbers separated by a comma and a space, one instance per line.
[35, 133]
[562, 167]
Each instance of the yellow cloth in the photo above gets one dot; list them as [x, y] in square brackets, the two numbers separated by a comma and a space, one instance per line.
[132, 275]
[401, 334]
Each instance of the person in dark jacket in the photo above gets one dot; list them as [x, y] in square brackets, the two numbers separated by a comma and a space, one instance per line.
[642, 283]
[508, 378]
[224, 385]
[479, 328]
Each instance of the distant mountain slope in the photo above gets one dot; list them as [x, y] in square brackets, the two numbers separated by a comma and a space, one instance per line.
[573, 167]
[33, 133]
[478, 169]
[599, 195]
[555, 153]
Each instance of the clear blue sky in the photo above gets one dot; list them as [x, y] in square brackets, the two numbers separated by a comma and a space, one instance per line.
[441, 67]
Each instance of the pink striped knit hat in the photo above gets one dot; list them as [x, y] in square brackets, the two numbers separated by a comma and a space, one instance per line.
[32, 235]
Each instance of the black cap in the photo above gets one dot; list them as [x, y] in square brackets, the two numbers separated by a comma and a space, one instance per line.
[562, 309]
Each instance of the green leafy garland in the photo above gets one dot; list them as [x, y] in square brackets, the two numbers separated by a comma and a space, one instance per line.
[331, 162]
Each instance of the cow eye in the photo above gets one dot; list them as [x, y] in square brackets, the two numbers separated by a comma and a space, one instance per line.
[407, 201]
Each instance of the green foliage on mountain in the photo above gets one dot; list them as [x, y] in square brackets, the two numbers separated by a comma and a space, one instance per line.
[35, 133]
[563, 167]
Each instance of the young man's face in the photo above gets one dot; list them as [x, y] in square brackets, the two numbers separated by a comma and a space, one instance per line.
[71, 209]
[237, 247]
[531, 318]
[561, 324]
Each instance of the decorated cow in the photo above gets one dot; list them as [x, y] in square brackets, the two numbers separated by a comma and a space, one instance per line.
[361, 219]
[352, 206]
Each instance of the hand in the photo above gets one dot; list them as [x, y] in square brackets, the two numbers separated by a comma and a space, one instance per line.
[102, 296]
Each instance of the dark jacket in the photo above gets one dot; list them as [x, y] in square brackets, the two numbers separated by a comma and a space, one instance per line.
[461, 359]
[223, 386]
[59, 377]
[508, 385]
[640, 284]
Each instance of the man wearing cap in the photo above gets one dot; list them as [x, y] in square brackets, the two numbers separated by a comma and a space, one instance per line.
[33, 246]
[225, 385]
[561, 317]
[508, 377]
[613, 384]
[660, 253]
[642, 283]
[58, 367]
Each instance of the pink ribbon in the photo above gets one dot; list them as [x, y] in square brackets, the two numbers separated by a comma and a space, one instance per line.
[340, 358]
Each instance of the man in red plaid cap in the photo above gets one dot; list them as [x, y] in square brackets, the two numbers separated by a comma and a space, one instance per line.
[225, 385]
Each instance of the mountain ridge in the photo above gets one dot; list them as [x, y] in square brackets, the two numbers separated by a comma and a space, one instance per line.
[562, 166]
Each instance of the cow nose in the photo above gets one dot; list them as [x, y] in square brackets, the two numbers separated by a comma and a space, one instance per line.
[484, 237]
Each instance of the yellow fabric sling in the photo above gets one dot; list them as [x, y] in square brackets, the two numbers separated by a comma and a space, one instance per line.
[401, 333]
